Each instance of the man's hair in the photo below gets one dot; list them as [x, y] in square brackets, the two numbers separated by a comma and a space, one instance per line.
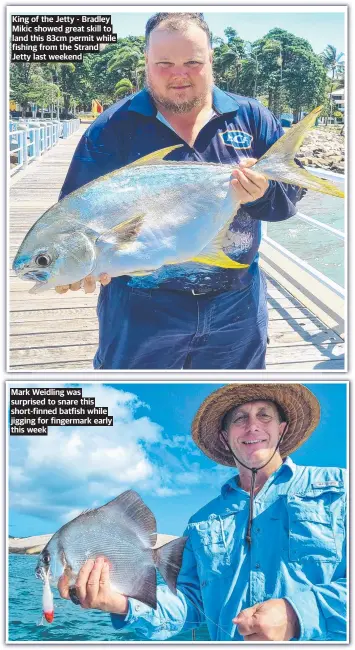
[176, 22]
[227, 418]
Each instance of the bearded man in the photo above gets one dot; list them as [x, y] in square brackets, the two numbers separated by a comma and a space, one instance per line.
[191, 315]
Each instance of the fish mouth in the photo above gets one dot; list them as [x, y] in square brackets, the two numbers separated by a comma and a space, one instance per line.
[39, 287]
[38, 276]
[40, 572]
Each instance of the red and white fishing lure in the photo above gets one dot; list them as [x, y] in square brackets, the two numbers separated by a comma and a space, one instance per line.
[47, 600]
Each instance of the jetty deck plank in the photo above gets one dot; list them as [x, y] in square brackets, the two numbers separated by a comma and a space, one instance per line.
[53, 332]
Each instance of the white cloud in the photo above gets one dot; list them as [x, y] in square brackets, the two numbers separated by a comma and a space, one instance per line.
[74, 468]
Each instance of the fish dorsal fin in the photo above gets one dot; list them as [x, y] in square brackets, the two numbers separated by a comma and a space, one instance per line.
[154, 157]
[130, 509]
[124, 233]
[213, 254]
[291, 141]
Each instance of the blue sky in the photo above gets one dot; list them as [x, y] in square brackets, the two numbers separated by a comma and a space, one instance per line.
[149, 448]
[319, 28]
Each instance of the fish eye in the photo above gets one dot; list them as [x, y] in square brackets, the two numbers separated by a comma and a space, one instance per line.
[43, 259]
[46, 557]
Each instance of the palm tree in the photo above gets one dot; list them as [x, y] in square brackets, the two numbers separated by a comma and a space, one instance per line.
[228, 63]
[332, 62]
[128, 59]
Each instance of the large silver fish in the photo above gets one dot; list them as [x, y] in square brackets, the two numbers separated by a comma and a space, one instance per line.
[149, 214]
[124, 532]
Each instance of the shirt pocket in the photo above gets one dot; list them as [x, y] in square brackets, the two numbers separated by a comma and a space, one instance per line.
[211, 552]
[311, 533]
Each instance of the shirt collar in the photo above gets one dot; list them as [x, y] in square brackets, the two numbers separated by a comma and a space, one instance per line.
[222, 103]
[231, 485]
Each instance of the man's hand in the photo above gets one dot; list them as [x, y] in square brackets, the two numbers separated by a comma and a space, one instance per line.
[88, 284]
[93, 588]
[248, 185]
[273, 620]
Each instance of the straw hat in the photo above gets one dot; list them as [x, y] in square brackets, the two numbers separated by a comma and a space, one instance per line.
[301, 408]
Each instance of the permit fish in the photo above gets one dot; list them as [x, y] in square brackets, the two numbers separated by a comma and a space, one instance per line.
[123, 531]
[149, 214]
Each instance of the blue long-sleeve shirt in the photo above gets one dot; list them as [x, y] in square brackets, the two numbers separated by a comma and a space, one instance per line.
[240, 127]
[297, 552]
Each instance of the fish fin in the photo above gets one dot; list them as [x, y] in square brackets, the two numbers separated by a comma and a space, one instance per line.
[145, 590]
[131, 510]
[291, 141]
[168, 560]
[154, 157]
[124, 232]
[301, 177]
[213, 254]
[286, 170]
[218, 259]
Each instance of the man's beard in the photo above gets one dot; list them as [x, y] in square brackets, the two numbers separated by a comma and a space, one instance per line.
[177, 107]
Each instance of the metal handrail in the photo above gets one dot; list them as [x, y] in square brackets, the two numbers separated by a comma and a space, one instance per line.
[33, 136]
[19, 149]
[324, 226]
[340, 291]
[304, 217]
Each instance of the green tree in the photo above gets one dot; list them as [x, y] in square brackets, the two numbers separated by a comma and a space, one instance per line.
[129, 62]
[20, 79]
[123, 88]
[228, 60]
[305, 81]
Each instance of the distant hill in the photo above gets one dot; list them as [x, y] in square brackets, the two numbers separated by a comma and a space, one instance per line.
[34, 545]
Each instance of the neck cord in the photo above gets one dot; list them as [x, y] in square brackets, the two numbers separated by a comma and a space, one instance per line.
[253, 471]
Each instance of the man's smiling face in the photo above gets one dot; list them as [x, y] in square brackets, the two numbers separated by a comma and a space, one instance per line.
[253, 431]
[179, 68]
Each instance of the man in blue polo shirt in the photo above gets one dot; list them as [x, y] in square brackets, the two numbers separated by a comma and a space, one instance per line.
[199, 317]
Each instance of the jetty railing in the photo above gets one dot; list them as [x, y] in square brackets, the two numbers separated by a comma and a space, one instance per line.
[30, 138]
[313, 288]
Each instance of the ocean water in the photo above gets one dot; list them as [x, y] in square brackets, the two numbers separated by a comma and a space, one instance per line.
[320, 248]
[71, 623]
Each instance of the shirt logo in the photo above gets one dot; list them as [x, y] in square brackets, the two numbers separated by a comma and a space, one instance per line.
[237, 139]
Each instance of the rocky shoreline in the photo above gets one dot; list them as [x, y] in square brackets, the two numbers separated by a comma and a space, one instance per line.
[323, 148]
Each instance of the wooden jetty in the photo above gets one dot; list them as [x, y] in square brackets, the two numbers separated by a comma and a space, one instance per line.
[60, 332]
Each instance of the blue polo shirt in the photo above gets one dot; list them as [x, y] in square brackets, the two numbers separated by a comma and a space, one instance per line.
[240, 127]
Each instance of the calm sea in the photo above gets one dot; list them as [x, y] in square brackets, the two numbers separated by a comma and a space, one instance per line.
[321, 249]
[71, 623]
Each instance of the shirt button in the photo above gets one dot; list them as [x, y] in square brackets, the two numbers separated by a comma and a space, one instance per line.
[257, 566]
[137, 608]
[258, 530]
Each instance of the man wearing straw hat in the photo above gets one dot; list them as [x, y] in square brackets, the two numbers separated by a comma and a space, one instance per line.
[265, 560]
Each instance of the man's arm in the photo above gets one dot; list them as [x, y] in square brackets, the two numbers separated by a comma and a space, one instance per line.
[315, 614]
[321, 611]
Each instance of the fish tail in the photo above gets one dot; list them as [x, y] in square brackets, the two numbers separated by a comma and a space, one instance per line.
[278, 162]
[168, 560]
